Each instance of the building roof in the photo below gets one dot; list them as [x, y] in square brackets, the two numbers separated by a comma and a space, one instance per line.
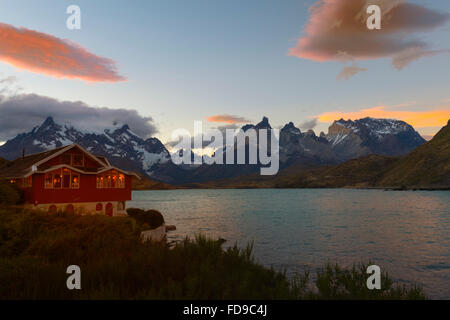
[21, 166]
[28, 165]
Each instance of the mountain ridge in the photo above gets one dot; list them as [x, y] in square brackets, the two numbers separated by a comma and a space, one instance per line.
[150, 158]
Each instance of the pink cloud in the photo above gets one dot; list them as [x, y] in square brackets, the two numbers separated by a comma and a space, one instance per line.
[45, 54]
[226, 118]
[337, 31]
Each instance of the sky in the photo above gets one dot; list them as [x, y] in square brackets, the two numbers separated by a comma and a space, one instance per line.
[160, 65]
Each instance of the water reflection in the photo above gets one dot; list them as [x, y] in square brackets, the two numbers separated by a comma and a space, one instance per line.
[405, 232]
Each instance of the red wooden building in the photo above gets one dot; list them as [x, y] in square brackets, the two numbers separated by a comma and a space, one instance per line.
[71, 179]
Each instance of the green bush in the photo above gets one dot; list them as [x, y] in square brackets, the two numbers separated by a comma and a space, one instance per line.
[9, 193]
[152, 218]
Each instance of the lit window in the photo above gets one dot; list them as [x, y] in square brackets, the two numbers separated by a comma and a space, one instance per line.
[121, 182]
[108, 181]
[48, 181]
[114, 179]
[100, 180]
[75, 181]
[57, 181]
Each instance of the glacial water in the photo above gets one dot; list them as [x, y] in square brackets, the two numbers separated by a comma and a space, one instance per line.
[405, 233]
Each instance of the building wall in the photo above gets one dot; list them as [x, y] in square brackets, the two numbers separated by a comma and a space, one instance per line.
[87, 192]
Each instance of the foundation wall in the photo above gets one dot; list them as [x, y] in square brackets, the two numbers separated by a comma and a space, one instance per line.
[112, 208]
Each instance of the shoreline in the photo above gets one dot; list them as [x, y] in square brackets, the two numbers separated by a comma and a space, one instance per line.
[286, 188]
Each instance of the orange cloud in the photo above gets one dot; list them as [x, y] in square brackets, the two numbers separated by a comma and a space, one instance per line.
[45, 54]
[337, 29]
[226, 118]
[418, 119]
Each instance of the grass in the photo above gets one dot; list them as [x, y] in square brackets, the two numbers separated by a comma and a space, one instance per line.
[36, 248]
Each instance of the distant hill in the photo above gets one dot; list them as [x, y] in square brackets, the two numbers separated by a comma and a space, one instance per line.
[148, 184]
[362, 172]
[426, 166]
[3, 162]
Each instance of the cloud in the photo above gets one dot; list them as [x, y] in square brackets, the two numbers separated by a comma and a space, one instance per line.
[308, 125]
[8, 85]
[418, 119]
[23, 112]
[348, 72]
[405, 57]
[45, 54]
[337, 31]
[226, 118]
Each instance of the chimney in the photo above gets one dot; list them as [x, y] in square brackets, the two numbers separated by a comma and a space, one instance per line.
[23, 153]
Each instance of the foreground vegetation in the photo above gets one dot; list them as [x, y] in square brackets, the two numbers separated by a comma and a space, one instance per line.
[36, 248]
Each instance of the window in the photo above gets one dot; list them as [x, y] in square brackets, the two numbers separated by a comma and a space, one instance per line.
[77, 160]
[121, 181]
[99, 207]
[112, 179]
[48, 182]
[70, 209]
[75, 181]
[100, 182]
[52, 209]
[27, 182]
[62, 178]
[108, 181]
[57, 181]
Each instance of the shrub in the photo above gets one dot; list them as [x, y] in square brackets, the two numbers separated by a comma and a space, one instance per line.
[9, 193]
[152, 218]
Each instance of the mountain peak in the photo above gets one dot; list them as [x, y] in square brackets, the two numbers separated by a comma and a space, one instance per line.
[311, 133]
[48, 122]
[291, 128]
[125, 127]
[264, 124]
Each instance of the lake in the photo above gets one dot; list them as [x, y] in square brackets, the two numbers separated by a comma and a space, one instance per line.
[406, 233]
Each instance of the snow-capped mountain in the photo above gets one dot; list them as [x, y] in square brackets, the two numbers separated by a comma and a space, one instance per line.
[119, 144]
[125, 149]
[353, 139]
[304, 148]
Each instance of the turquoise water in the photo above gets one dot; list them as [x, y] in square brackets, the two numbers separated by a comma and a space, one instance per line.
[405, 233]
